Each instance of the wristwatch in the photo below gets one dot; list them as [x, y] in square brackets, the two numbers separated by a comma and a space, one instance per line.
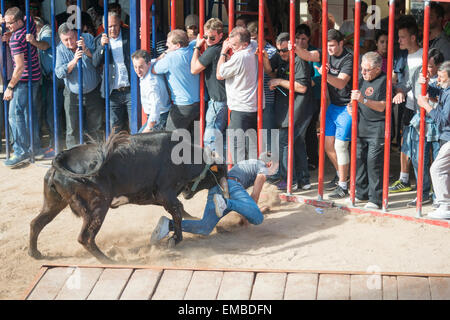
[10, 88]
[364, 100]
[198, 48]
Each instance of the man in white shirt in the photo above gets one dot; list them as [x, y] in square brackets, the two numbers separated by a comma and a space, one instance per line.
[154, 95]
[407, 38]
[118, 40]
[240, 72]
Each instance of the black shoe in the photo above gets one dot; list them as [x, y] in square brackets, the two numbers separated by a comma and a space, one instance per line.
[338, 193]
[330, 186]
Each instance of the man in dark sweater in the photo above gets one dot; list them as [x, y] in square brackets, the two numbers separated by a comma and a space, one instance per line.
[371, 98]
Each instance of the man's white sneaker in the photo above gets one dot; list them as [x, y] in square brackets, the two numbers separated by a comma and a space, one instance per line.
[357, 201]
[219, 204]
[440, 213]
[371, 205]
[161, 230]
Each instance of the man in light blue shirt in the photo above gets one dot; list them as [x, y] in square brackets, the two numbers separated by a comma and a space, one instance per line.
[68, 53]
[154, 95]
[175, 64]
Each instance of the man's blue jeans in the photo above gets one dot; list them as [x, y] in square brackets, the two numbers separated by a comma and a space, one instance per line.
[160, 126]
[240, 201]
[215, 122]
[92, 116]
[120, 106]
[19, 119]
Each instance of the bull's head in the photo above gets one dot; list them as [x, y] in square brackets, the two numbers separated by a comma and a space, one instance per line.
[214, 173]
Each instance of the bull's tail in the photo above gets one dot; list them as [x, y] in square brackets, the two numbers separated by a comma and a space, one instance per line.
[92, 156]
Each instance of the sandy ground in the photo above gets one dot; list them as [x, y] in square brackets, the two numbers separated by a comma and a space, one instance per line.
[292, 236]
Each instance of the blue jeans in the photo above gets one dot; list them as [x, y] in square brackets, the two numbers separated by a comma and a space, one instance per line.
[215, 121]
[120, 110]
[19, 119]
[47, 108]
[426, 165]
[92, 116]
[240, 201]
[160, 126]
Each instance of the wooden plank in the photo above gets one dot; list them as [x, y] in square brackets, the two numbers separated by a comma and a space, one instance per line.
[141, 285]
[80, 283]
[110, 284]
[390, 291]
[333, 287]
[36, 280]
[413, 288]
[236, 286]
[366, 287]
[301, 286]
[173, 285]
[269, 286]
[50, 284]
[204, 285]
[411, 274]
[440, 288]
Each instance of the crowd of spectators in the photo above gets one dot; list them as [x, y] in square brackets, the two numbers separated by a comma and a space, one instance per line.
[170, 92]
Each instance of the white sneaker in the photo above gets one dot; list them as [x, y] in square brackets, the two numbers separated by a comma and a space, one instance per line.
[371, 205]
[161, 230]
[219, 204]
[440, 213]
[357, 201]
[306, 187]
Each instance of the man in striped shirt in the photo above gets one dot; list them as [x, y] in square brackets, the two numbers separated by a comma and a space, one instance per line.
[17, 90]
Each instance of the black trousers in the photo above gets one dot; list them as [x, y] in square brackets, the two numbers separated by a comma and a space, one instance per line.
[311, 141]
[183, 117]
[245, 141]
[369, 169]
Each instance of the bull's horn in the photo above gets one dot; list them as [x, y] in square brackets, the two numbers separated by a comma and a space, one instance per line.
[224, 185]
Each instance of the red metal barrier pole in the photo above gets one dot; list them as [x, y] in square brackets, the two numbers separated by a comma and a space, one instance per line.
[420, 169]
[173, 14]
[388, 113]
[290, 159]
[230, 27]
[145, 37]
[355, 102]
[230, 15]
[260, 74]
[323, 97]
[201, 13]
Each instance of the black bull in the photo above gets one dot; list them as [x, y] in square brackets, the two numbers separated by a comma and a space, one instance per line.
[137, 168]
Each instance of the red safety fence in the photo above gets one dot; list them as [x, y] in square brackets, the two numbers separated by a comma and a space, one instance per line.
[323, 100]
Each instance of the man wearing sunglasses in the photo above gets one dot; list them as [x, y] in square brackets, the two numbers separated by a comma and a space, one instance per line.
[216, 114]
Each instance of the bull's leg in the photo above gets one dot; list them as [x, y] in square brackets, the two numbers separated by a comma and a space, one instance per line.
[92, 222]
[176, 209]
[53, 205]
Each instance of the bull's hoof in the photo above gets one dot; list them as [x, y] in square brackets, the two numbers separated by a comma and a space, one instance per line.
[35, 254]
[172, 243]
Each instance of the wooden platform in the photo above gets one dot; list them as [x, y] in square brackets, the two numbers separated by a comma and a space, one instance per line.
[162, 283]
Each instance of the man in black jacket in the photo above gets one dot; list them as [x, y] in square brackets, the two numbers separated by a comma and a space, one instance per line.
[118, 40]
